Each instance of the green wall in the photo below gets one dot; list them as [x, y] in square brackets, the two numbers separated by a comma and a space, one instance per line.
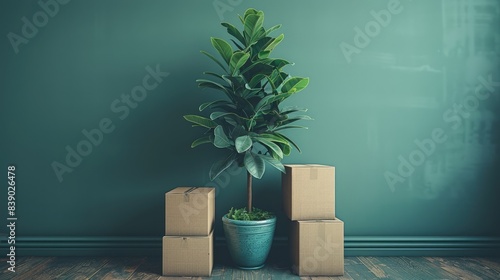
[372, 98]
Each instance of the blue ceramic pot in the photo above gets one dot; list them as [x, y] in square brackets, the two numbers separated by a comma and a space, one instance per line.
[249, 242]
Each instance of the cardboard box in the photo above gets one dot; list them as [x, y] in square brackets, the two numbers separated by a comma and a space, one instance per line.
[189, 211]
[309, 192]
[317, 247]
[188, 255]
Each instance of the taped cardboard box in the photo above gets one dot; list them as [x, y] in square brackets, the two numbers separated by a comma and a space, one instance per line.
[309, 191]
[189, 211]
[188, 255]
[317, 247]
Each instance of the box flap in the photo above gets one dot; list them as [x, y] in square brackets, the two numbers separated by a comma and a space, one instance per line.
[335, 221]
[308, 166]
[189, 190]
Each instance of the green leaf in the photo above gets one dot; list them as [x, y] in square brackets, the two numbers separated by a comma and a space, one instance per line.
[223, 48]
[275, 148]
[216, 104]
[237, 60]
[214, 59]
[287, 149]
[201, 121]
[249, 11]
[294, 119]
[256, 80]
[221, 140]
[290, 141]
[274, 138]
[261, 44]
[263, 54]
[251, 123]
[254, 164]
[229, 116]
[274, 162]
[272, 29]
[235, 81]
[274, 43]
[243, 215]
[295, 84]
[219, 166]
[264, 102]
[288, 127]
[211, 84]
[216, 115]
[201, 140]
[258, 68]
[243, 104]
[237, 45]
[279, 97]
[232, 122]
[243, 143]
[277, 77]
[253, 22]
[292, 109]
[280, 63]
[249, 92]
[213, 74]
[238, 131]
[234, 32]
[260, 33]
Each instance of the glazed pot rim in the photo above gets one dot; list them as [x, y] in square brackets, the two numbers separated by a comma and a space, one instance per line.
[248, 223]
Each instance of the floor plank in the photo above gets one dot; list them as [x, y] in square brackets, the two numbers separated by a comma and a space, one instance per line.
[31, 267]
[118, 268]
[142, 268]
[58, 267]
[452, 267]
[281, 271]
[344, 277]
[468, 268]
[491, 263]
[357, 270]
[414, 268]
[484, 268]
[150, 269]
[85, 269]
[4, 265]
[374, 265]
[219, 272]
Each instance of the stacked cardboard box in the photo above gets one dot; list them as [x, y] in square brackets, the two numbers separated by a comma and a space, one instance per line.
[188, 240]
[316, 235]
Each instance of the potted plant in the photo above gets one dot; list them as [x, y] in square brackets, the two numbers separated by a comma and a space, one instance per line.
[247, 123]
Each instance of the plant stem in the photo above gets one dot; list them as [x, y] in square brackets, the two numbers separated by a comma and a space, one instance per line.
[249, 192]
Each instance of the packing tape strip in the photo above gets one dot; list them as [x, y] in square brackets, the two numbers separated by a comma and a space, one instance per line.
[322, 240]
[313, 174]
[186, 193]
[321, 231]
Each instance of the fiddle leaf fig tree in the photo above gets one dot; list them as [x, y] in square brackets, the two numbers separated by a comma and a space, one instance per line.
[248, 120]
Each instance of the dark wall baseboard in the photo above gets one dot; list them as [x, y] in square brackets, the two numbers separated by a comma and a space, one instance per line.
[354, 246]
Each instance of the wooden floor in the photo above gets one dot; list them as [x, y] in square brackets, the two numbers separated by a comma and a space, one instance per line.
[38, 268]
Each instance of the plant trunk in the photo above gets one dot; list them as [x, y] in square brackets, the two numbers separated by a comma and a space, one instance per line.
[249, 192]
